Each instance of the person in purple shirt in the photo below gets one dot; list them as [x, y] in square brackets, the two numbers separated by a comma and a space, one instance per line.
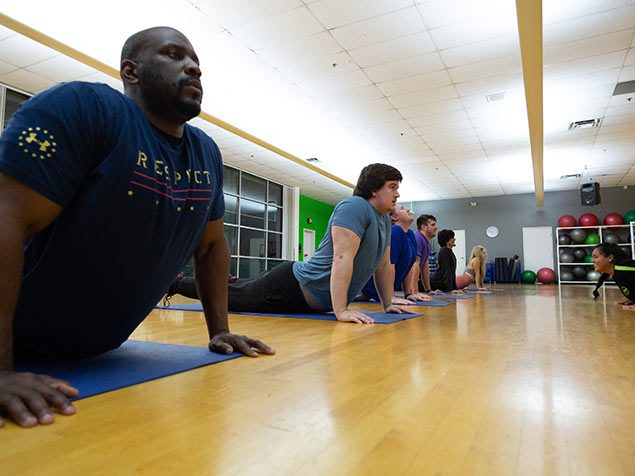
[426, 230]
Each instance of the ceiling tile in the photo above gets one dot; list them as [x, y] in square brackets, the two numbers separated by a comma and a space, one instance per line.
[339, 82]
[60, 68]
[480, 51]
[314, 67]
[586, 65]
[286, 27]
[21, 51]
[486, 69]
[335, 13]
[586, 47]
[589, 26]
[6, 32]
[376, 30]
[415, 83]
[423, 97]
[7, 67]
[404, 68]
[240, 12]
[26, 81]
[319, 44]
[404, 47]
[432, 108]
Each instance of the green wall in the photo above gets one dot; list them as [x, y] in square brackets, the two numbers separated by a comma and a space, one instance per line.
[319, 212]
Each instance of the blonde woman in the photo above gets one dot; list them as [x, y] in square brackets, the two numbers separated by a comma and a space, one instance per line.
[475, 270]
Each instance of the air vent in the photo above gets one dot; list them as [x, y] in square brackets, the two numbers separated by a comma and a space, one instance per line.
[575, 176]
[312, 160]
[495, 97]
[625, 87]
[586, 124]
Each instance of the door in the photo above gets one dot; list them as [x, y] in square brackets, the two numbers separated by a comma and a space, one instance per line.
[308, 240]
[537, 247]
[459, 251]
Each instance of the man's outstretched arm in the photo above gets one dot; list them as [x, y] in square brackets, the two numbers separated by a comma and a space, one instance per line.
[212, 269]
[26, 398]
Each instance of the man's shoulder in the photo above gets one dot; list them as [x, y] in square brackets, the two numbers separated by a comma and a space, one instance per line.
[100, 89]
[200, 136]
[353, 203]
[80, 95]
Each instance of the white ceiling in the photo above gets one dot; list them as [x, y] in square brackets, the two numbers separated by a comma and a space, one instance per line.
[353, 82]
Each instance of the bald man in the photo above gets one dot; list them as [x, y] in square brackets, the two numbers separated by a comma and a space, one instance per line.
[113, 192]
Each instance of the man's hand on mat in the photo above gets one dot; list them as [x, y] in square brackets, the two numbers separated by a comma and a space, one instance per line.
[417, 297]
[226, 343]
[435, 291]
[482, 289]
[398, 300]
[397, 310]
[28, 399]
[354, 316]
[457, 291]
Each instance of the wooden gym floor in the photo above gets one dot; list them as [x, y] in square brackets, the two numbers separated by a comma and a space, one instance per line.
[535, 380]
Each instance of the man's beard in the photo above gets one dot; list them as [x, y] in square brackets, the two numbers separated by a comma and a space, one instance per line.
[164, 99]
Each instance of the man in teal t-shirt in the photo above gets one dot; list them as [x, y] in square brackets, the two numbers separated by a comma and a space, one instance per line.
[355, 247]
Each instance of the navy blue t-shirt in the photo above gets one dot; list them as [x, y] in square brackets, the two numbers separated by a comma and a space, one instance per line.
[403, 254]
[135, 207]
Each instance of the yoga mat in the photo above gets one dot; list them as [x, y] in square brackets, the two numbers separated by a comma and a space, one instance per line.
[192, 306]
[132, 363]
[478, 292]
[432, 303]
[452, 296]
[380, 317]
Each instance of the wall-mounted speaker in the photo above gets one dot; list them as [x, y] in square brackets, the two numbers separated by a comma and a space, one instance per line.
[590, 194]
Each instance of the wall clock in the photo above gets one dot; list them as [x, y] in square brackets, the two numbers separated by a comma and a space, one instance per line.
[492, 231]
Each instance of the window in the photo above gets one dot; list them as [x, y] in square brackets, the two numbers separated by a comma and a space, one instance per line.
[253, 222]
[12, 100]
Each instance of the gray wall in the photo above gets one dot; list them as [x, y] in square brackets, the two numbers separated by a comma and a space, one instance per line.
[510, 213]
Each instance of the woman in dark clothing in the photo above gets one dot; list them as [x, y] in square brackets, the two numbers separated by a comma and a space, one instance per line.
[444, 278]
[611, 260]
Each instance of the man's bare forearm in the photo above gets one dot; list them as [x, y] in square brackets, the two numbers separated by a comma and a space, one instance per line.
[384, 282]
[341, 274]
[212, 271]
[425, 276]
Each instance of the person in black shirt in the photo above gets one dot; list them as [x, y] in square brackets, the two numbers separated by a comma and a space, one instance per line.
[611, 260]
[444, 278]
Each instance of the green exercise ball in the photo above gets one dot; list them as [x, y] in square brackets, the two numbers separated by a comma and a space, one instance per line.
[528, 277]
[592, 239]
[629, 216]
[588, 259]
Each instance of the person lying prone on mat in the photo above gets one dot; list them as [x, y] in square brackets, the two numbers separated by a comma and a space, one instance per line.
[356, 245]
[475, 270]
[611, 260]
[403, 255]
[91, 234]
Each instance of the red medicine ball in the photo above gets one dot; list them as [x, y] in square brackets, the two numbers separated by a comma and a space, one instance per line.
[567, 221]
[588, 219]
[613, 219]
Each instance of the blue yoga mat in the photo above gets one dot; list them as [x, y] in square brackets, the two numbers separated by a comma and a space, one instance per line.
[452, 296]
[432, 303]
[132, 363]
[479, 292]
[380, 317]
[192, 306]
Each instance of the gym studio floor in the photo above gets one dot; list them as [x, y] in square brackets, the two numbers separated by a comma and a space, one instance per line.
[533, 380]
